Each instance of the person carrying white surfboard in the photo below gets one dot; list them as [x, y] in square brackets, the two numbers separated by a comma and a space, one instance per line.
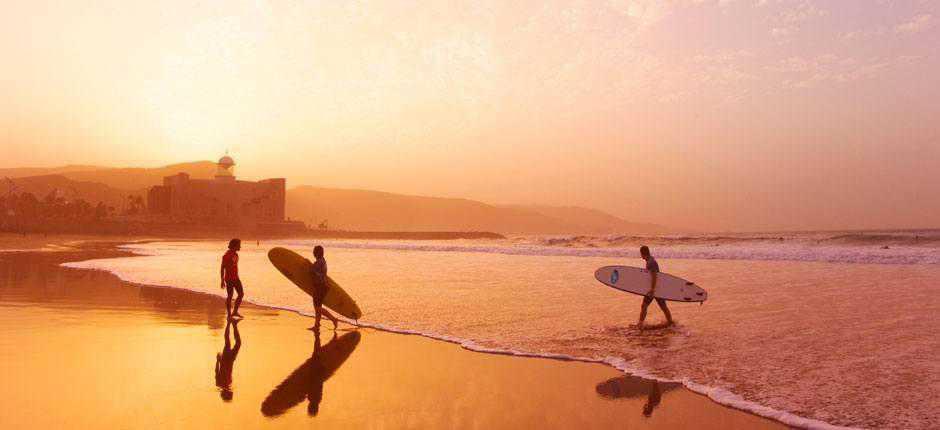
[318, 271]
[653, 268]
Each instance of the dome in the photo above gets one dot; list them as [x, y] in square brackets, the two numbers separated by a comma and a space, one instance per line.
[226, 161]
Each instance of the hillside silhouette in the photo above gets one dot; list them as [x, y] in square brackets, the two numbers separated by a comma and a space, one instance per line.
[344, 209]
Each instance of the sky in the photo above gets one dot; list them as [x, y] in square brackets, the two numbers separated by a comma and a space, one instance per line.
[699, 114]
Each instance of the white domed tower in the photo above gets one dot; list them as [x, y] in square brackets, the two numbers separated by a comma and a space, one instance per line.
[226, 169]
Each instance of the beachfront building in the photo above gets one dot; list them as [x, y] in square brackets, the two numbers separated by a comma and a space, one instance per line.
[221, 201]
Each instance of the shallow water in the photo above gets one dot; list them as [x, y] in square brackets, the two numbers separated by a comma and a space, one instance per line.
[807, 342]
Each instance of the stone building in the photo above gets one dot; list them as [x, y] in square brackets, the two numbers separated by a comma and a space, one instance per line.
[220, 201]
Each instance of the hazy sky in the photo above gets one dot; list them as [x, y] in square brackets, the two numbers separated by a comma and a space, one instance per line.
[708, 114]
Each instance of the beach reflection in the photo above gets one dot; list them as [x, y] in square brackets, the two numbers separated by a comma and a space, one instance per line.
[225, 362]
[306, 382]
[627, 387]
[37, 279]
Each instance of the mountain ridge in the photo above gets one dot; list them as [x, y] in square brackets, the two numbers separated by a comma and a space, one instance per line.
[347, 209]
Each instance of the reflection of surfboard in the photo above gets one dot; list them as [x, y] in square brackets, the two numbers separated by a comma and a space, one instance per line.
[306, 382]
[637, 281]
[625, 387]
[297, 269]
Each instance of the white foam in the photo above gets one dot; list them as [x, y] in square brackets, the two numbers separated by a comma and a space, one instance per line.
[718, 395]
[763, 251]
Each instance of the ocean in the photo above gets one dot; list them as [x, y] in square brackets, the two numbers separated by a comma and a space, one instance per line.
[815, 329]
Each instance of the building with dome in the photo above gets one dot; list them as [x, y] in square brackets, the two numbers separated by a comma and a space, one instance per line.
[221, 201]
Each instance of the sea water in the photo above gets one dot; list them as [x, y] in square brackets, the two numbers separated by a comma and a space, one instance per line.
[813, 329]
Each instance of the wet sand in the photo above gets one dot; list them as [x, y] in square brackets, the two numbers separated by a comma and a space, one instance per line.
[82, 349]
[39, 241]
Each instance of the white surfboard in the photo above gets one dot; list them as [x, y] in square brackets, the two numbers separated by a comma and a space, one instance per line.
[637, 281]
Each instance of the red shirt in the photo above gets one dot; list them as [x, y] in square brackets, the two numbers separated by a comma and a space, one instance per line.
[230, 263]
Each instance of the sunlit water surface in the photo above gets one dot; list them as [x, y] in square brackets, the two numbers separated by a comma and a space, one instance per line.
[808, 342]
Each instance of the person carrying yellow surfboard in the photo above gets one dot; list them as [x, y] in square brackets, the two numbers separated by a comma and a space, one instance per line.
[318, 272]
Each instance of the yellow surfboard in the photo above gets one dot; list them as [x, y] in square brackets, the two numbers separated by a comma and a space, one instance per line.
[297, 269]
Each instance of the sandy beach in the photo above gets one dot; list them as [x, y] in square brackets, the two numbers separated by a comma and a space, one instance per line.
[82, 349]
[14, 242]
[705, 214]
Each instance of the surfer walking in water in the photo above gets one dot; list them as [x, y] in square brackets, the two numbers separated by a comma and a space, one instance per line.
[230, 280]
[653, 267]
[319, 279]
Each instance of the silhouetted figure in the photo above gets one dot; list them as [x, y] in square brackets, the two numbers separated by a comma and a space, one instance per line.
[319, 279]
[225, 362]
[315, 383]
[306, 382]
[653, 267]
[230, 280]
[653, 400]
[628, 387]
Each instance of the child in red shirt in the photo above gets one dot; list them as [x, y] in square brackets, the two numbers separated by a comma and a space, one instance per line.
[230, 280]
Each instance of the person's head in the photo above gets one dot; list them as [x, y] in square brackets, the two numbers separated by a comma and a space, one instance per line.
[235, 244]
[318, 251]
[645, 252]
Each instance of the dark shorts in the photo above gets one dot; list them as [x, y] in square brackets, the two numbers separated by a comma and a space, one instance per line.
[235, 284]
[320, 294]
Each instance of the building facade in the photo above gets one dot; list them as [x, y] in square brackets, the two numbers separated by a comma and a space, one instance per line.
[219, 201]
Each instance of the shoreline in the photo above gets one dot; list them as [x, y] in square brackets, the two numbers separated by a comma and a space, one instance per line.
[110, 249]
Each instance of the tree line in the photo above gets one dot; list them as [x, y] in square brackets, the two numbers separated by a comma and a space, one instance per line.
[23, 211]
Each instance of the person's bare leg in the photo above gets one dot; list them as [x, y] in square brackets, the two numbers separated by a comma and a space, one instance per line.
[662, 305]
[228, 306]
[316, 323]
[238, 302]
[646, 304]
[240, 291]
[331, 318]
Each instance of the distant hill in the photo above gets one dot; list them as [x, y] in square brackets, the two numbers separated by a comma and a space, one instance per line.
[593, 221]
[357, 210]
[92, 192]
[19, 172]
[379, 211]
[129, 179]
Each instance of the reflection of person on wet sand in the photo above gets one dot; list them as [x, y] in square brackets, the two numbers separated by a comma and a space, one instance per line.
[225, 362]
[631, 387]
[315, 385]
[653, 400]
[310, 380]
[306, 382]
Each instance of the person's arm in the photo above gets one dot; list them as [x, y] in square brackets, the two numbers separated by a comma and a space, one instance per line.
[222, 272]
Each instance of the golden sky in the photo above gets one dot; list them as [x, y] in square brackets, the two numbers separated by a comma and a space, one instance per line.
[706, 114]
